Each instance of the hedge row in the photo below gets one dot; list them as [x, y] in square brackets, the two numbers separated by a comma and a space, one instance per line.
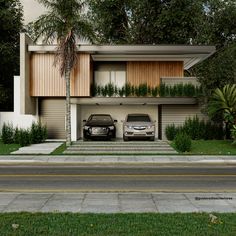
[196, 129]
[36, 134]
[143, 90]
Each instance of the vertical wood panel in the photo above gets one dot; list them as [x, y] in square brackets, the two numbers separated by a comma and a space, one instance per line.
[151, 72]
[46, 80]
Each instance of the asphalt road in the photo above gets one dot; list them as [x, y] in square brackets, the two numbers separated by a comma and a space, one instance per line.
[72, 178]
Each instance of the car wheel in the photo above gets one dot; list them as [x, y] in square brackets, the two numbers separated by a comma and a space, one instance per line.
[125, 138]
[152, 139]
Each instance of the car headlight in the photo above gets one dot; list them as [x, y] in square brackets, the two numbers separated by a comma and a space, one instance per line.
[150, 126]
[111, 127]
[128, 127]
[86, 127]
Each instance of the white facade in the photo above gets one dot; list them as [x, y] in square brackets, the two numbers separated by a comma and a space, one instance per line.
[15, 118]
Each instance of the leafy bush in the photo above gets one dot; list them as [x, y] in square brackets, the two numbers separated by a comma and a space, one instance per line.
[196, 129]
[110, 89]
[7, 133]
[154, 91]
[24, 137]
[38, 133]
[143, 90]
[182, 142]
[16, 135]
[171, 132]
[127, 89]
[121, 91]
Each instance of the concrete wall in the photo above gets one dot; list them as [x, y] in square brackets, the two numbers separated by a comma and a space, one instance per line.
[118, 113]
[27, 103]
[16, 118]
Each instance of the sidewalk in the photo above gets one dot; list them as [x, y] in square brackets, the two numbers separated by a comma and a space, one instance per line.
[118, 159]
[118, 202]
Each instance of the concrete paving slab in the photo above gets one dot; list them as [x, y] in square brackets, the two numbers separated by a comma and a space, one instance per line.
[137, 196]
[40, 148]
[100, 209]
[114, 202]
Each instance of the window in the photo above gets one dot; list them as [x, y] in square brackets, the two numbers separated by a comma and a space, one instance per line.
[107, 72]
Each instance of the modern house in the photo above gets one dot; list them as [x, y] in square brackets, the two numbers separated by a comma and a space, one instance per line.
[42, 90]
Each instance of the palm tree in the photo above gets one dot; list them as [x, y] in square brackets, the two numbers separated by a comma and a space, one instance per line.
[223, 101]
[65, 24]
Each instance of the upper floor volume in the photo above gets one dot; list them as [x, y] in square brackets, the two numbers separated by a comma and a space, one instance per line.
[106, 64]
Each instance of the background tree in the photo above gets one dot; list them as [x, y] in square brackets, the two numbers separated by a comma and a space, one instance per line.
[10, 26]
[65, 23]
[109, 20]
[145, 21]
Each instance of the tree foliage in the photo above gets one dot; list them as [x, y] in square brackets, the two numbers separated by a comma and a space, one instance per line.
[145, 21]
[10, 26]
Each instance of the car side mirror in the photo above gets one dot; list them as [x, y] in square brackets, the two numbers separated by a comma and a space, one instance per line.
[115, 121]
[84, 120]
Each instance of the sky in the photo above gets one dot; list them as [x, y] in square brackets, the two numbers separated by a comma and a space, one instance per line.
[32, 10]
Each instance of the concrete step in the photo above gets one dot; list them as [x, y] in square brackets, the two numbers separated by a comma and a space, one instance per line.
[139, 152]
[118, 148]
[120, 144]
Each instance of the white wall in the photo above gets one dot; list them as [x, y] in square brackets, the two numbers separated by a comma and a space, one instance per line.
[15, 118]
[118, 113]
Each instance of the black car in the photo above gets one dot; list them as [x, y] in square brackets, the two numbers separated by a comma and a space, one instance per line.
[99, 126]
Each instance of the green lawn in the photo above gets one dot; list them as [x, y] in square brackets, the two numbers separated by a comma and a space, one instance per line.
[59, 150]
[216, 147]
[8, 148]
[30, 224]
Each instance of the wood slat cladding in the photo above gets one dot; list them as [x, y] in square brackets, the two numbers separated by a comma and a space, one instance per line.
[46, 80]
[150, 72]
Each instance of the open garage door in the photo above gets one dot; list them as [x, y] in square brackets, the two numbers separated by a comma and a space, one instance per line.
[52, 114]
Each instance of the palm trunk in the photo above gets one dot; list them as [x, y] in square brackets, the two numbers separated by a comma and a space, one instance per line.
[68, 110]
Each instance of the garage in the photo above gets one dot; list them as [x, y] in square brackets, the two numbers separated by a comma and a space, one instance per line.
[118, 112]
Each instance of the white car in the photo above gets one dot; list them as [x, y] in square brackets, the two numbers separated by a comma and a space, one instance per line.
[138, 126]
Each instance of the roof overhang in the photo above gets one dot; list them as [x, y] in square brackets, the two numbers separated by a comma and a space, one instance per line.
[134, 101]
[190, 55]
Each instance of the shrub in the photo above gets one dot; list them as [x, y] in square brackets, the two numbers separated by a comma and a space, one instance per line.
[127, 89]
[7, 133]
[16, 135]
[170, 132]
[38, 133]
[154, 91]
[24, 137]
[110, 89]
[182, 142]
[143, 90]
[121, 91]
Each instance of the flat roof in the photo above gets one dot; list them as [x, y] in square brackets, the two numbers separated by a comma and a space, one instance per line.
[189, 54]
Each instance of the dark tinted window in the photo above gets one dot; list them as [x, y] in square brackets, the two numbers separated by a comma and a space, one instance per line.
[100, 118]
[142, 118]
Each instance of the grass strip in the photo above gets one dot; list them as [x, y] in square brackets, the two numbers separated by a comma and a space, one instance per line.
[211, 147]
[8, 148]
[30, 224]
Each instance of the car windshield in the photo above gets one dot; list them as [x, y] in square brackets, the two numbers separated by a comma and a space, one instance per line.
[101, 118]
[138, 118]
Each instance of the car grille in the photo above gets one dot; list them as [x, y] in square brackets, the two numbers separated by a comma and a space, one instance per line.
[99, 130]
